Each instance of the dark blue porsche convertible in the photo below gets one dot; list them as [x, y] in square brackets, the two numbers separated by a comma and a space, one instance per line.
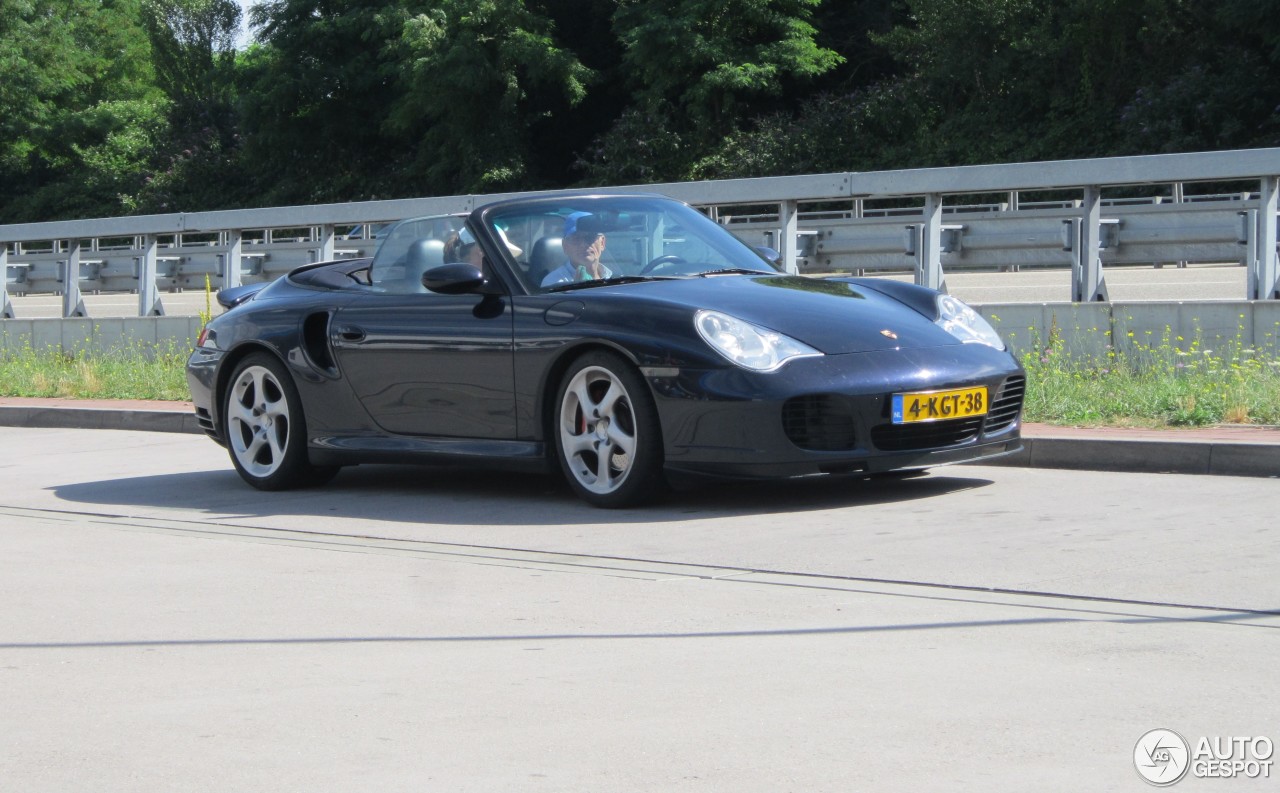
[622, 340]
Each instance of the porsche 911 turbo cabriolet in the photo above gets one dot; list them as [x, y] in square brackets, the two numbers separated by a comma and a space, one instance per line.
[624, 341]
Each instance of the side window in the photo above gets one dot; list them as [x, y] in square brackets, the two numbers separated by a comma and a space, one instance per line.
[410, 249]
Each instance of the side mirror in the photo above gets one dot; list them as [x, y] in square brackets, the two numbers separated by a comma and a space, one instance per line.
[458, 278]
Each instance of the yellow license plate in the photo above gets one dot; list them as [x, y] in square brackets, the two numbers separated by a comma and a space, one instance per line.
[939, 405]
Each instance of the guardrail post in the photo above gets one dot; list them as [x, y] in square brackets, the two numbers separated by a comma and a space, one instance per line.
[72, 304]
[1179, 197]
[328, 243]
[789, 216]
[149, 304]
[6, 308]
[1268, 270]
[231, 262]
[1087, 283]
[929, 253]
[1247, 237]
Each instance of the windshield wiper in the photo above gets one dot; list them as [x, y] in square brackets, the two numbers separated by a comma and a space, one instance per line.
[735, 271]
[617, 279]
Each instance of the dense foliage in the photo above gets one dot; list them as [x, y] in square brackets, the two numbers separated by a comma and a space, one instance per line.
[110, 107]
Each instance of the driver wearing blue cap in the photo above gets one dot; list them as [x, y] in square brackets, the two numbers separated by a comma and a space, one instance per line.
[583, 242]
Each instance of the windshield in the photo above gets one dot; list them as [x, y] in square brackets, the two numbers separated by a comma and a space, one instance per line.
[576, 241]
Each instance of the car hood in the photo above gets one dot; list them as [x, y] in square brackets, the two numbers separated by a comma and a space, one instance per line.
[832, 316]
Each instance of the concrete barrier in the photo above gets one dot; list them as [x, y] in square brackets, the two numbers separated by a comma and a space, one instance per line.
[1092, 330]
[97, 335]
[1087, 330]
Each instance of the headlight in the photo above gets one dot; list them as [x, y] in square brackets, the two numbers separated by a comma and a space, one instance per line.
[966, 324]
[747, 345]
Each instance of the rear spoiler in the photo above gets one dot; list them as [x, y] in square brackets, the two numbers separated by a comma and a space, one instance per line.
[230, 298]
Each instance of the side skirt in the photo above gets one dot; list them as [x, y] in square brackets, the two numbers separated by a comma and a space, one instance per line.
[355, 449]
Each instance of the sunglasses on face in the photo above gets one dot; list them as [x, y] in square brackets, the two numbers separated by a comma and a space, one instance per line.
[582, 238]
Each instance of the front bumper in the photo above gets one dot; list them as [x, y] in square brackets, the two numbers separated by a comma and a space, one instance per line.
[831, 415]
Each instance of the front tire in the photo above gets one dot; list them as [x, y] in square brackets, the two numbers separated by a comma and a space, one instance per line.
[265, 427]
[607, 434]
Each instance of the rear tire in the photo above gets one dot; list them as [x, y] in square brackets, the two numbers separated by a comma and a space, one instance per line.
[607, 434]
[266, 430]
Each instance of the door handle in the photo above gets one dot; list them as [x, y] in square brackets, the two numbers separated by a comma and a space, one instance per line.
[351, 333]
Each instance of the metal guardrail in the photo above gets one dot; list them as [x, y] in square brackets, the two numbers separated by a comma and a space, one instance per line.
[926, 221]
[1152, 232]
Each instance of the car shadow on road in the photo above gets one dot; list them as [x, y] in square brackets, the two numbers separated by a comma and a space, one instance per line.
[459, 497]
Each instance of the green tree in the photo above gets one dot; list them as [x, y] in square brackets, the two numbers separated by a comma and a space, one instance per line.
[478, 79]
[351, 99]
[870, 129]
[710, 59]
[193, 50]
[1031, 79]
[1219, 87]
[314, 98]
[79, 112]
[859, 115]
[697, 70]
[848, 27]
[584, 28]
[996, 80]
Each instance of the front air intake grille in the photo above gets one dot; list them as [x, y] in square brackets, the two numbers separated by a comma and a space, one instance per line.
[1007, 405]
[927, 435]
[819, 423]
[206, 422]
[204, 419]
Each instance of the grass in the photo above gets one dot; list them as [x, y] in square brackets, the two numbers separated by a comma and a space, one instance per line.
[1165, 382]
[133, 372]
[1143, 381]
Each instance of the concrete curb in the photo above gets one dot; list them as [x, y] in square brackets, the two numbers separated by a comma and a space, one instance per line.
[1128, 455]
[1235, 452]
[89, 418]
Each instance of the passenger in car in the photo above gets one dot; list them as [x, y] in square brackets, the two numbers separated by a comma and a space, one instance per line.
[462, 247]
[584, 243]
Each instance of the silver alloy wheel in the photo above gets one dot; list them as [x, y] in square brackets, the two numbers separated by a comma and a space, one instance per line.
[597, 430]
[258, 421]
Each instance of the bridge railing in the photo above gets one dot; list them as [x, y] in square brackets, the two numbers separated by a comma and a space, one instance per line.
[925, 221]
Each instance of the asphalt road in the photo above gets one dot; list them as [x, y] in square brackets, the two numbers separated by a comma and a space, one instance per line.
[1169, 283]
[979, 628]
